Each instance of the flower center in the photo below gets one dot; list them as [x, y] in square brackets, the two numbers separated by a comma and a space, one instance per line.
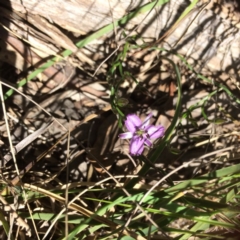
[140, 132]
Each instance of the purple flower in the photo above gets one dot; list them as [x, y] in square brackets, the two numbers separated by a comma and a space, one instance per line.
[140, 133]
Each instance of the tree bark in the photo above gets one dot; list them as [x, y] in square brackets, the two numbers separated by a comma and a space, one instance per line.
[209, 34]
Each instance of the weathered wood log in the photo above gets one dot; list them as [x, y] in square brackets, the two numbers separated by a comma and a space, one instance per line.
[209, 34]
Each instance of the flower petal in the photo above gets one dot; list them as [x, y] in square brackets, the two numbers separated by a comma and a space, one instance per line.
[132, 122]
[155, 132]
[137, 145]
[125, 135]
[148, 142]
[146, 121]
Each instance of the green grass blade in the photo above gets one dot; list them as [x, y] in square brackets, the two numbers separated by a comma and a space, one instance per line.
[4, 223]
[187, 10]
[205, 178]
